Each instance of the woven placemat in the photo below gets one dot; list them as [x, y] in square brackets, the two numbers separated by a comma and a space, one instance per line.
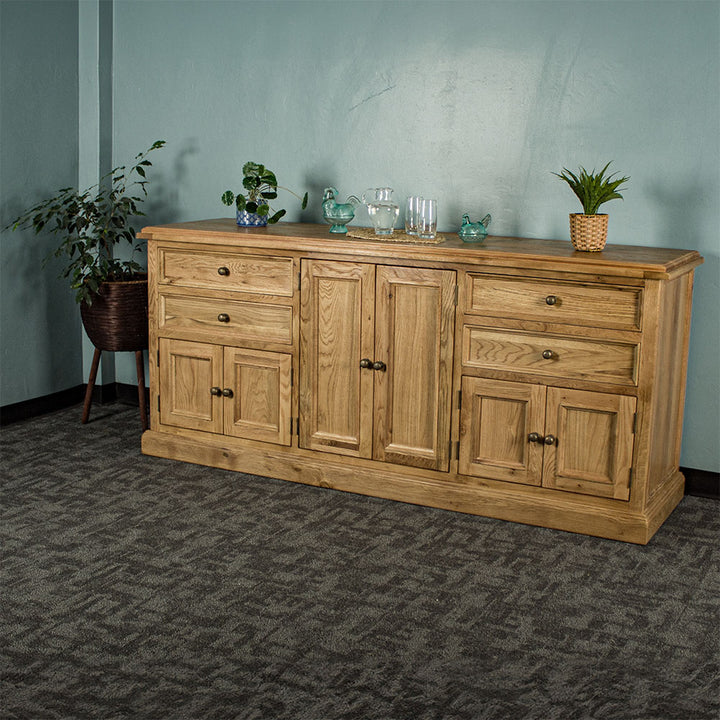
[399, 236]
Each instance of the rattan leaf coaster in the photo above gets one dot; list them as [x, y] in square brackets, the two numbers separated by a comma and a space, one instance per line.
[399, 236]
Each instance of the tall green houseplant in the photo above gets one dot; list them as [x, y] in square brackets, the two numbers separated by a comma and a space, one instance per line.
[92, 222]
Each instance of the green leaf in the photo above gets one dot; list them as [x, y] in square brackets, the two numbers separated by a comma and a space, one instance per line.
[263, 209]
[304, 201]
[251, 206]
[228, 197]
[240, 202]
[272, 220]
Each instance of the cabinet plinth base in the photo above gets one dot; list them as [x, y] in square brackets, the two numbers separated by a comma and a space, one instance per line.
[572, 513]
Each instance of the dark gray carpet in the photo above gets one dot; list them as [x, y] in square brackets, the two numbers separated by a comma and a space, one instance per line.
[134, 587]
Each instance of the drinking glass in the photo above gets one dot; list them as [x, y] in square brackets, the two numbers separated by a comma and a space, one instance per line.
[412, 210]
[427, 219]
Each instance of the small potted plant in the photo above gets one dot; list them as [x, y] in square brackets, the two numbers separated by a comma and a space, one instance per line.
[261, 186]
[588, 230]
[91, 224]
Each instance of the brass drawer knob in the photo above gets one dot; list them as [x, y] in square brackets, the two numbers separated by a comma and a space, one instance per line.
[216, 391]
[535, 437]
[227, 392]
[223, 318]
[223, 270]
[365, 363]
[379, 365]
[551, 299]
[550, 440]
[548, 354]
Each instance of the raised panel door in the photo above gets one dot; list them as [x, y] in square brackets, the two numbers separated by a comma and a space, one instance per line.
[259, 407]
[496, 420]
[188, 372]
[414, 330]
[337, 312]
[592, 446]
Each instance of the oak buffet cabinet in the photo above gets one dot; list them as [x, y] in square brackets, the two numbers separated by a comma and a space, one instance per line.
[516, 379]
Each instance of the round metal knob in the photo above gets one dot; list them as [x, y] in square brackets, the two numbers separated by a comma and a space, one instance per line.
[379, 365]
[534, 437]
[216, 391]
[548, 354]
[224, 318]
[223, 270]
[551, 299]
[366, 363]
[550, 440]
[227, 392]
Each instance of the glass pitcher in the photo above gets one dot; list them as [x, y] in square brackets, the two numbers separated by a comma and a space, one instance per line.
[382, 209]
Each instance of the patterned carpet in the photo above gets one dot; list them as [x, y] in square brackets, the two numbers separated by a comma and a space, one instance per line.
[135, 587]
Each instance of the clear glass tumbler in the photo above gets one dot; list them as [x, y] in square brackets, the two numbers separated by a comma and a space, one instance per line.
[427, 219]
[412, 210]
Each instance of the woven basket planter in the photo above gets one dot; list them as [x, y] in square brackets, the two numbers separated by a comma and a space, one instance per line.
[117, 320]
[588, 232]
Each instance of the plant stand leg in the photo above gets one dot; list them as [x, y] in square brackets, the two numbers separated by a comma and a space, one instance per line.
[140, 363]
[91, 385]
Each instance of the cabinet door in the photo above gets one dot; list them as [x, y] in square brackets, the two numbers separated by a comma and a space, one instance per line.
[188, 371]
[337, 314]
[414, 332]
[593, 442]
[496, 420]
[259, 407]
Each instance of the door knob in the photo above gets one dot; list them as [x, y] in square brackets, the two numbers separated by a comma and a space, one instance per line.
[365, 363]
[550, 440]
[216, 391]
[534, 437]
[227, 392]
[379, 365]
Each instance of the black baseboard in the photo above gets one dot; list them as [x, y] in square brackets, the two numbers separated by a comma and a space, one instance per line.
[702, 483]
[102, 394]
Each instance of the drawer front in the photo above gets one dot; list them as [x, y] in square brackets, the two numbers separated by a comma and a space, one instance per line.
[545, 355]
[226, 320]
[551, 301]
[227, 271]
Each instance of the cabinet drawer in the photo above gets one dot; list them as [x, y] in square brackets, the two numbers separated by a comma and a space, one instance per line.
[226, 320]
[227, 271]
[596, 360]
[551, 301]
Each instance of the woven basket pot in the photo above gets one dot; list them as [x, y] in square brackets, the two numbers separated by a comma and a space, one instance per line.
[588, 232]
[117, 320]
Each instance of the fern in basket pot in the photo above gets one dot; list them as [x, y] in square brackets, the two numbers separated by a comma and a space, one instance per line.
[588, 230]
[112, 293]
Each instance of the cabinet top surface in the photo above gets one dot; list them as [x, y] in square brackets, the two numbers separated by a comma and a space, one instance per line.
[627, 260]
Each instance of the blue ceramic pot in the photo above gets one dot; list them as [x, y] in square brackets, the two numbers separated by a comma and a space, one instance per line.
[248, 219]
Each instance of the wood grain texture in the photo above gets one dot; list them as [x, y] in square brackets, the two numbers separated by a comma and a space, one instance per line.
[605, 361]
[414, 338]
[610, 393]
[554, 301]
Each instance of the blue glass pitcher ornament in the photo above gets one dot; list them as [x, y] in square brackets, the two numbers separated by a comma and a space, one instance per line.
[474, 231]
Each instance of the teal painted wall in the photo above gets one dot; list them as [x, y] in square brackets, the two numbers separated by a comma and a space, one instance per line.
[40, 329]
[472, 102]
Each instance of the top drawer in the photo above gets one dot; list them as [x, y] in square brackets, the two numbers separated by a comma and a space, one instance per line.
[554, 301]
[226, 271]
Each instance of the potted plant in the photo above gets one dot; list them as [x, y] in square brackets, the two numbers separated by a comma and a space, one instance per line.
[112, 293]
[588, 230]
[260, 186]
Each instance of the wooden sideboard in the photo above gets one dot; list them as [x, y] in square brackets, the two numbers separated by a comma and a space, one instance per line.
[516, 379]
